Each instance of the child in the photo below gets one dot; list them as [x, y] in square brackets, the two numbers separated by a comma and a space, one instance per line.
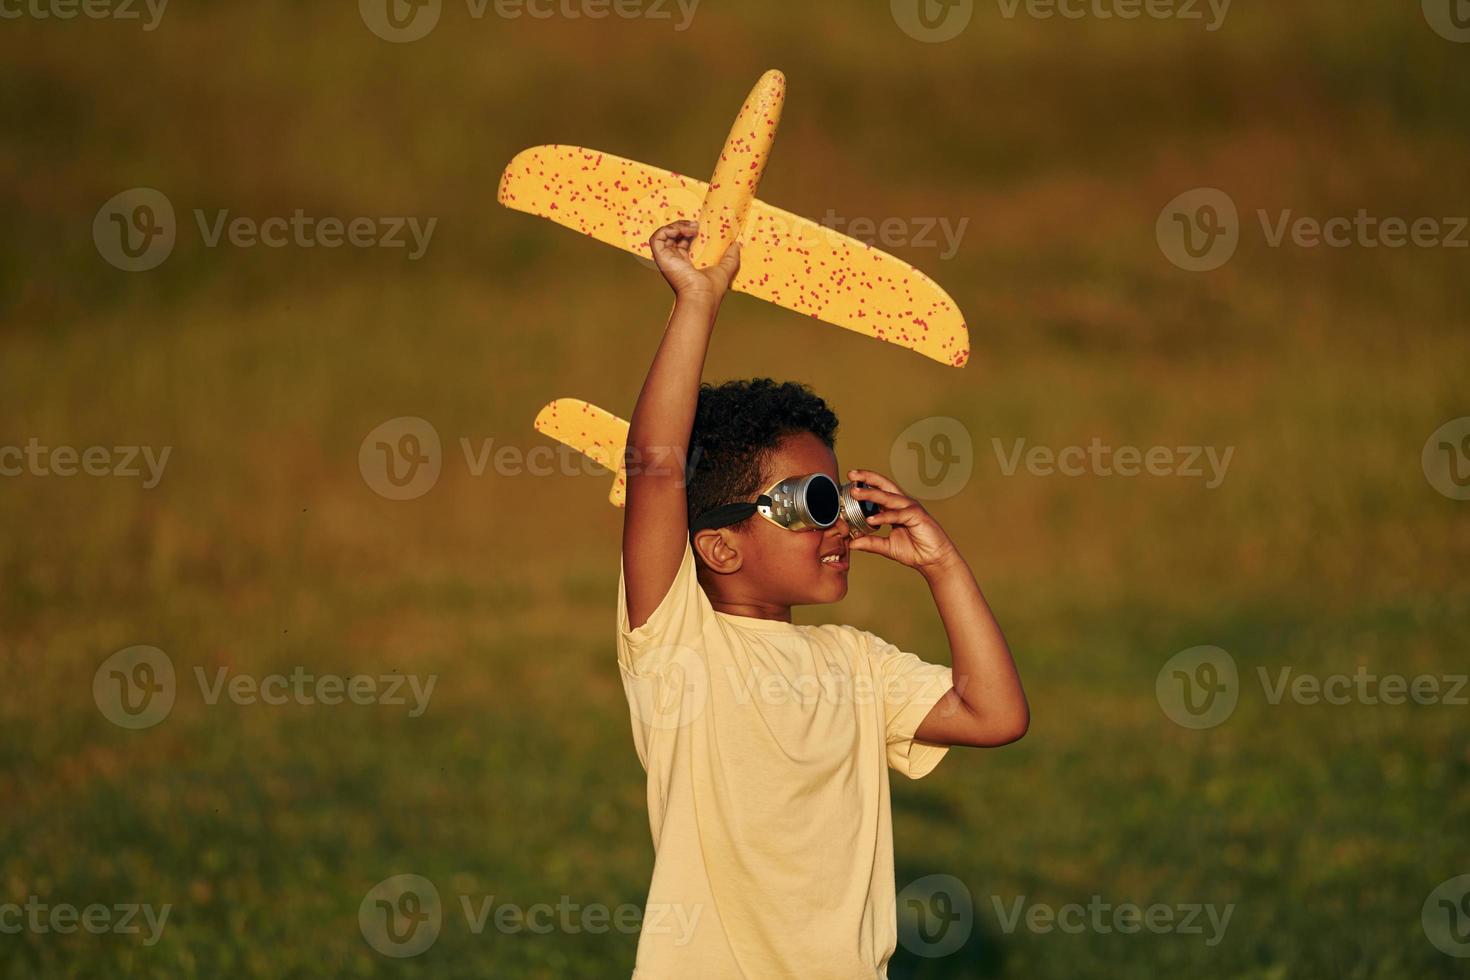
[765, 742]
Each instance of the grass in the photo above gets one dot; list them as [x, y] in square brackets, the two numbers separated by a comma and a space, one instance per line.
[262, 549]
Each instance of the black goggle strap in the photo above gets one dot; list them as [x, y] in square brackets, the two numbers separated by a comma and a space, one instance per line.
[728, 514]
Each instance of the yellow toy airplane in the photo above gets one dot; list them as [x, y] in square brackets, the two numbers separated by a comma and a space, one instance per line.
[786, 259]
[594, 432]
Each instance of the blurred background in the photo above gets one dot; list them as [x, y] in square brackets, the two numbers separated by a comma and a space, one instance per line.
[1087, 169]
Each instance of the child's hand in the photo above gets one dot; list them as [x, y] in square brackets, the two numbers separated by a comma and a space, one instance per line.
[670, 245]
[916, 540]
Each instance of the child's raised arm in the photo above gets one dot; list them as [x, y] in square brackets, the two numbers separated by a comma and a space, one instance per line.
[655, 517]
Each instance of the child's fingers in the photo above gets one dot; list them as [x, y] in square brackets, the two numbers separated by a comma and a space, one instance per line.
[875, 479]
[903, 516]
[730, 262]
[872, 542]
[677, 231]
[883, 497]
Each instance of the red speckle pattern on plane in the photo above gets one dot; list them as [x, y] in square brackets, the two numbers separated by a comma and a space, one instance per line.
[786, 259]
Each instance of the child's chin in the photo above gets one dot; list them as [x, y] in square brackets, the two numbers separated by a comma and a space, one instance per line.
[836, 590]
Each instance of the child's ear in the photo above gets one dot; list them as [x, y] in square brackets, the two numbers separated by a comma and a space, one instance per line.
[719, 550]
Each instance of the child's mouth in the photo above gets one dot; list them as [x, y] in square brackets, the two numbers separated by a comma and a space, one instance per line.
[837, 561]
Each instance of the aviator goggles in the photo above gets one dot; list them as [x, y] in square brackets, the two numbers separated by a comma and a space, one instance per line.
[799, 503]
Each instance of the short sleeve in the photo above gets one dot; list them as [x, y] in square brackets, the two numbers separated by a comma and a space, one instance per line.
[678, 621]
[909, 687]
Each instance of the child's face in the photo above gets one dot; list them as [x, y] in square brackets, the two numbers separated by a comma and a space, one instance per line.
[786, 567]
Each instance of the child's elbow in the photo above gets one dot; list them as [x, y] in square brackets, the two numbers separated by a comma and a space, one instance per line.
[1010, 729]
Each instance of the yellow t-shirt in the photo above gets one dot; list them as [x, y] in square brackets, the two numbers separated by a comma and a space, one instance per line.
[766, 746]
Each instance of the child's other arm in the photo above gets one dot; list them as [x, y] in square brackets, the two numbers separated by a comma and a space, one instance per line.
[655, 517]
[986, 706]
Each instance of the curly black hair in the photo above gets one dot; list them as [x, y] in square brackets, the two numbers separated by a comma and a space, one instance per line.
[737, 425]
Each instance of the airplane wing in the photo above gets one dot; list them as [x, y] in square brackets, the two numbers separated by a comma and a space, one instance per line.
[785, 259]
[595, 432]
[617, 201]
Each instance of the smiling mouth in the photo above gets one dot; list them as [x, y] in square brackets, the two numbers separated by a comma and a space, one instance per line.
[838, 561]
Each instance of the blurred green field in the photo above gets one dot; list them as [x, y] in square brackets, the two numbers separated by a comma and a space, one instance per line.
[263, 549]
